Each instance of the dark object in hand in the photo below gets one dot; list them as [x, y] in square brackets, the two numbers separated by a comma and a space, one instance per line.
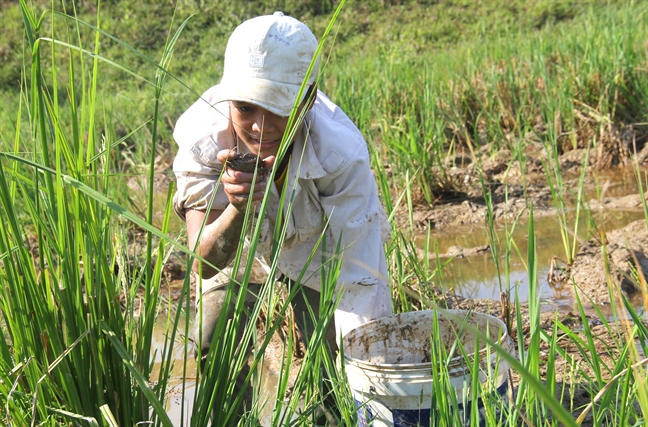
[246, 162]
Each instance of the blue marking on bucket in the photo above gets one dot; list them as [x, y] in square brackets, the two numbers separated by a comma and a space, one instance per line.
[411, 417]
[501, 390]
[421, 417]
[365, 417]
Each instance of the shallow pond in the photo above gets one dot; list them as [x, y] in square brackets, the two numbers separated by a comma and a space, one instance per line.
[477, 276]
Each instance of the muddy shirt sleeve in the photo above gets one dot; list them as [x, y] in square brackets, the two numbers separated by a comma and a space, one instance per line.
[201, 132]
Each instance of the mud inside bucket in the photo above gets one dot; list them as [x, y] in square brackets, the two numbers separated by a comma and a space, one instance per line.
[389, 369]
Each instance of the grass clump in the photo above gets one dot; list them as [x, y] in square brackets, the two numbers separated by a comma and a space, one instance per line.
[71, 303]
[563, 84]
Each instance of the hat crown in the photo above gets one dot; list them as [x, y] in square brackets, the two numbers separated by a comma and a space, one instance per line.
[272, 47]
[266, 60]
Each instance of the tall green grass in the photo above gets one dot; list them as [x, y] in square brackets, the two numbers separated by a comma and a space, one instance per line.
[78, 308]
[560, 85]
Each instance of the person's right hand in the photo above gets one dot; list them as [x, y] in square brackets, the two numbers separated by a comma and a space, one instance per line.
[237, 185]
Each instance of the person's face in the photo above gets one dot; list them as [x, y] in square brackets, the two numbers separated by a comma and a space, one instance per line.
[259, 129]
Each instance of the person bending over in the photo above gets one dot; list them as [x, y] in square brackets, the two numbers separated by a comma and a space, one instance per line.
[326, 173]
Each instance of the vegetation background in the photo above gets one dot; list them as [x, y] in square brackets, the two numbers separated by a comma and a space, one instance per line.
[391, 65]
[427, 82]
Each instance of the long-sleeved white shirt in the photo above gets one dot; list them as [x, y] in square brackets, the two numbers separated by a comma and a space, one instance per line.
[333, 191]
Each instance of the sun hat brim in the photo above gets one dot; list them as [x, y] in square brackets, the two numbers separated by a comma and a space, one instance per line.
[276, 97]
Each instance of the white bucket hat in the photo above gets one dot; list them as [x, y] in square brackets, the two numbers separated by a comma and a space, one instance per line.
[266, 61]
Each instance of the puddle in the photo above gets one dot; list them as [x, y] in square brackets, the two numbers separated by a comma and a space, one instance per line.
[137, 193]
[477, 276]
[182, 390]
[178, 404]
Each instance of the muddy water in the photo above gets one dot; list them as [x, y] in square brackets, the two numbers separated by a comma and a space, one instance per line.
[137, 192]
[178, 404]
[183, 379]
[477, 276]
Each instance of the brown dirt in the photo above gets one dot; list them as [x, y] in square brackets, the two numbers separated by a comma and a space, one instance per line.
[514, 183]
[627, 258]
[514, 186]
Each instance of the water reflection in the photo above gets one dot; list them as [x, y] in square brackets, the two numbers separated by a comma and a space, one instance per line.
[181, 388]
[477, 276]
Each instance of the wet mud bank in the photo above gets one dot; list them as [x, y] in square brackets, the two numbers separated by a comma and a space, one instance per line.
[622, 251]
[515, 183]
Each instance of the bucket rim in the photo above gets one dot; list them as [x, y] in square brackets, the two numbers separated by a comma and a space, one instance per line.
[423, 366]
[501, 342]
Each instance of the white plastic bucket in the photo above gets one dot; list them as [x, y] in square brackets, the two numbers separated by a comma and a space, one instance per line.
[387, 362]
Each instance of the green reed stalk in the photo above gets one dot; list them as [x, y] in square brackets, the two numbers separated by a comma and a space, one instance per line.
[152, 275]
[493, 239]
[559, 193]
[80, 334]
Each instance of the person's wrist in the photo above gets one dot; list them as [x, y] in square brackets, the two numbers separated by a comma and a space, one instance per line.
[237, 207]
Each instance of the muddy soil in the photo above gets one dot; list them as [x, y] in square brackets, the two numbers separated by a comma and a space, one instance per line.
[626, 255]
[514, 183]
[513, 191]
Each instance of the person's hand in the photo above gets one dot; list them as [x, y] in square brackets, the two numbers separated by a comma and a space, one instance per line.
[237, 184]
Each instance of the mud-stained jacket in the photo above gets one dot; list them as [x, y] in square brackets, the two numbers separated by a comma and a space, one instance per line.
[333, 189]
